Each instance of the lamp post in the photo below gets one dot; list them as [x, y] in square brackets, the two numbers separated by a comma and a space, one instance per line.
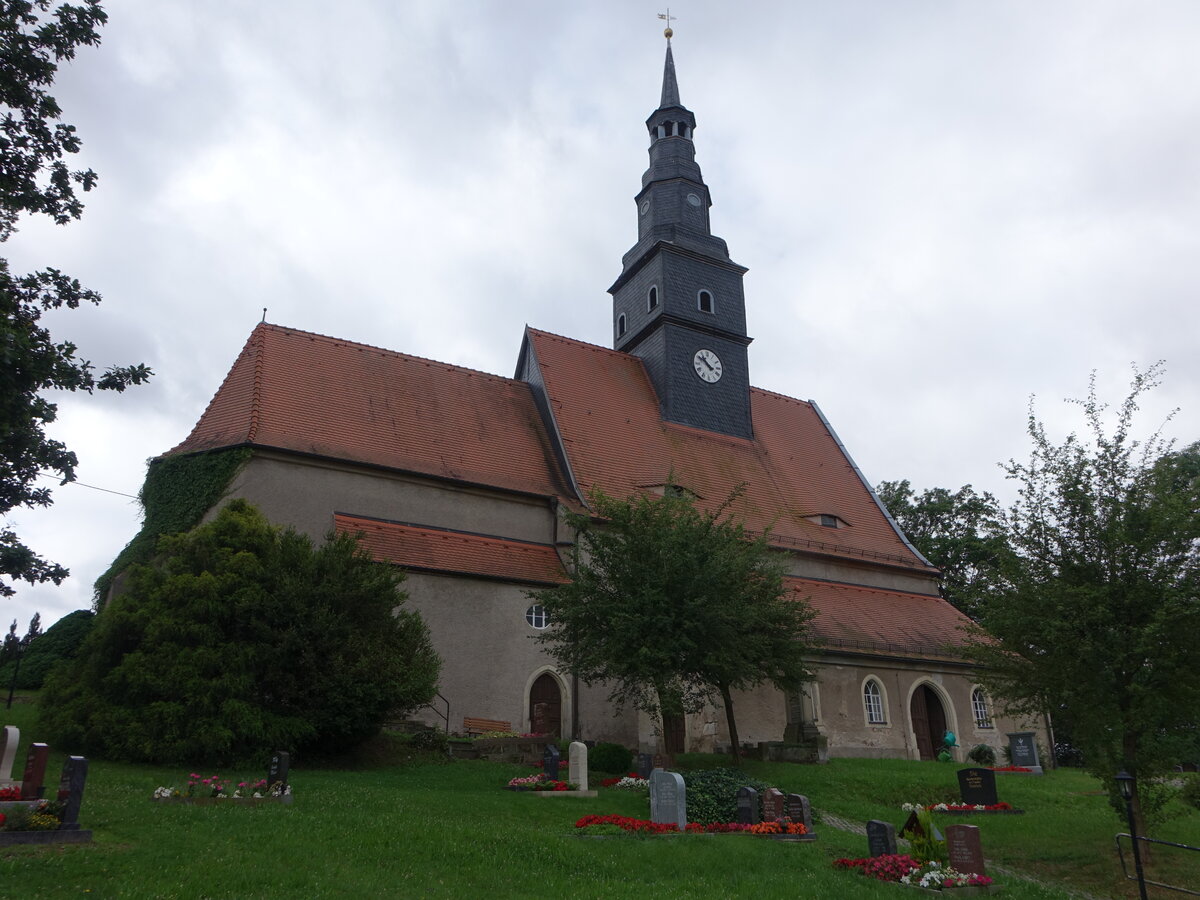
[1125, 783]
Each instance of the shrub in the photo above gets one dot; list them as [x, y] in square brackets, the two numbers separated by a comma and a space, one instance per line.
[610, 758]
[430, 741]
[1190, 794]
[239, 639]
[61, 641]
[982, 755]
[712, 793]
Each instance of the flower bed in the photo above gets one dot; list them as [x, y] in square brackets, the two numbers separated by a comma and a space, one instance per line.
[782, 830]
[214, 788]
[540, 782]
[964, 809]
[903, 869]
[1012, 770]
[630, 782]
[9, 794]
[37, 822]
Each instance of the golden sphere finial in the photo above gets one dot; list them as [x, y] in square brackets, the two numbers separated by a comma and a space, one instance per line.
[668, 33]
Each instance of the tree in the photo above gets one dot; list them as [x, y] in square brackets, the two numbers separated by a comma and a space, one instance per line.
[35, 179]
[60, 641]
[14, 652]
[1098, 603]
[958, 532]
[239, 639]
[670, 604]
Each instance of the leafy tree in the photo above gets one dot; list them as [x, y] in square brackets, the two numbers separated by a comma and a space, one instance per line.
[1098, 604]
[670, 604]
[34, 178]
[60, 641]
[958, 532]
[238, 639]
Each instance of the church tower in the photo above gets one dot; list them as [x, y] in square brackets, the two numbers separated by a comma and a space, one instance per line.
[678, 303]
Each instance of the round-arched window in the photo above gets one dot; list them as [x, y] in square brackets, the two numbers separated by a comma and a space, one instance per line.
[536, 616]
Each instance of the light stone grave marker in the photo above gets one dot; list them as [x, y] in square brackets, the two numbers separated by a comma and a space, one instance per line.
[668, 798]
[577, 772]
[9, 738]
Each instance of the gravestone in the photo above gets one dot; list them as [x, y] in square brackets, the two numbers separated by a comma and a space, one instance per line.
[9, 738]
[1022, 748]
[70, 790]
[277, 770]
[747, 806]
[645, 765]
[881, 838]
[668, 798]
[577, 771]
[35, 771]
[977, 787]
[964, 849]
[772, 805]
[799, 810]
[550, 760]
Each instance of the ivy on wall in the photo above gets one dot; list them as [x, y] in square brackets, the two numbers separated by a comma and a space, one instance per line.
[176, 494]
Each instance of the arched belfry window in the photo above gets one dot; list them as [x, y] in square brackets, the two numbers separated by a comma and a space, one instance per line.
[652, 298]
[873, 703]
[704, 302]
[621, 325]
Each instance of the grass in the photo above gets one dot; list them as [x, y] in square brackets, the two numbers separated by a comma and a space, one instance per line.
[445, 829]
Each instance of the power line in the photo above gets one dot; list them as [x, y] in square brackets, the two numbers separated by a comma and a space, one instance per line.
[92, 486]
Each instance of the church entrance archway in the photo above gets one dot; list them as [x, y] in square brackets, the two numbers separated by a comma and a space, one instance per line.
[928, 721]
[545, 705]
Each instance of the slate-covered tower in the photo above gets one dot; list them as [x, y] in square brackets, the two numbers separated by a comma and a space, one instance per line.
[678, 303]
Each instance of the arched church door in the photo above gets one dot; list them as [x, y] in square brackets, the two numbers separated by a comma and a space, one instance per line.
[928, 721]
[545, 706]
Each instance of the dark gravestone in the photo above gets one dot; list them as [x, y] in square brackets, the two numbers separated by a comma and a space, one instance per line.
[1022, 747]
[772, 805]
[277, 770]
[964, 849]
[668, 798]
[70, 791]
[881, 838]
[977, 787]
[645, 765]
[799, 810]
[747, 806]
[550, 762]
[35, 771]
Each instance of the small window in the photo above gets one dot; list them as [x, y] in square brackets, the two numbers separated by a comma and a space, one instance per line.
[620, 324]
[979, 706]
[536, 616]
[652, 298]
[829, 521]
[704, 300]
[873, 703]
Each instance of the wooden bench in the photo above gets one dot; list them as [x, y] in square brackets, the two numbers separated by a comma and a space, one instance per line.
[482, 726]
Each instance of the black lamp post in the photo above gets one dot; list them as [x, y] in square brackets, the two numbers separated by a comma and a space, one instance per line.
[1125, 783]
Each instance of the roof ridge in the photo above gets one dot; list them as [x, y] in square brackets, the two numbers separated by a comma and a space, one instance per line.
[385, 351]
[258, 342]
[771, 393]
[844, 585]
[453, 532]
[579, 343]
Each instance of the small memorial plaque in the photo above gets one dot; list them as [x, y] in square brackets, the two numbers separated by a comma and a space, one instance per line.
[881, 838]
[1022, 748]
[772, 805]
[35, 771]
[799, 810]
[578, 765]
[747, 806]
[668, 798]
[977, 787]
[550, 759]
[645, 765]
[278, 770]
[964, 849]
[70, 790]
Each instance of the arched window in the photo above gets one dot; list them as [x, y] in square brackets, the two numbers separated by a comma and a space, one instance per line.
[704, 302]
[536, 616]
[979, 706]
[873, 703]
[620, 324]
[652, 298]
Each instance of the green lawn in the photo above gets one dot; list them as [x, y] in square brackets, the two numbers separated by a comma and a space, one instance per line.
[446, 829]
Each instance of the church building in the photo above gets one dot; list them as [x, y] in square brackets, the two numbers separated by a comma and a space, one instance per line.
[461, 477]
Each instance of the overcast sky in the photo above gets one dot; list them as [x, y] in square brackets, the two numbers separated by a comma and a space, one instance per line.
[946, 207]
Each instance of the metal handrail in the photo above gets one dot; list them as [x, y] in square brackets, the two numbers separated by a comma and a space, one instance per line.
[1125, 869]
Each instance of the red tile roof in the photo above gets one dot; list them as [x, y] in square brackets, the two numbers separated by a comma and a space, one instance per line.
[873, 619]
[607, 412]
[309, 393]
[435, 550]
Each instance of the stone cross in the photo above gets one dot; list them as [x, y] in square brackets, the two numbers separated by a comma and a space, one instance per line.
[964, 849]
[668, 798]
[772, 805]
[578, 771]
[550, 758]
[70, 789]
[278, 770]
[881, 838]
[35, 771]
[747, 806]
[9, 738]
[977, 787]
[799, 810]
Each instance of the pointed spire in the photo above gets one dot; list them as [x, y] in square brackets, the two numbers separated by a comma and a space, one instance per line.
[670, 89]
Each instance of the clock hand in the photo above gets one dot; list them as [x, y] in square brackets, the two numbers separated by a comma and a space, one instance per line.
[707, 363]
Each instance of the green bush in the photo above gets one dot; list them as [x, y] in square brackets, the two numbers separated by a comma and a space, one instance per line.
[611, 758]
[1190, 794]
[982, 755]
[712, 793]
[239, 639]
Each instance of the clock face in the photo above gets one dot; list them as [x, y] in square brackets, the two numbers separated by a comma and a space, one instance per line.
[707, 365]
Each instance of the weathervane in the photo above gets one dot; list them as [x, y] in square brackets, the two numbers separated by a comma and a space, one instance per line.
[668, 18]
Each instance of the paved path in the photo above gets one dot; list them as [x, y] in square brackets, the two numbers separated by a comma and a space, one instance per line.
[856, 828]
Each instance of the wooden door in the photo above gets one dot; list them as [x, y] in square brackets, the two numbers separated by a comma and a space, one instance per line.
[919, 713]
[545, 706]
[675, 734]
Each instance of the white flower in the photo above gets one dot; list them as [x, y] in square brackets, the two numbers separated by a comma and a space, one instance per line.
[980, 806]
[910, 807]
[257, 795]
[941, 807]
